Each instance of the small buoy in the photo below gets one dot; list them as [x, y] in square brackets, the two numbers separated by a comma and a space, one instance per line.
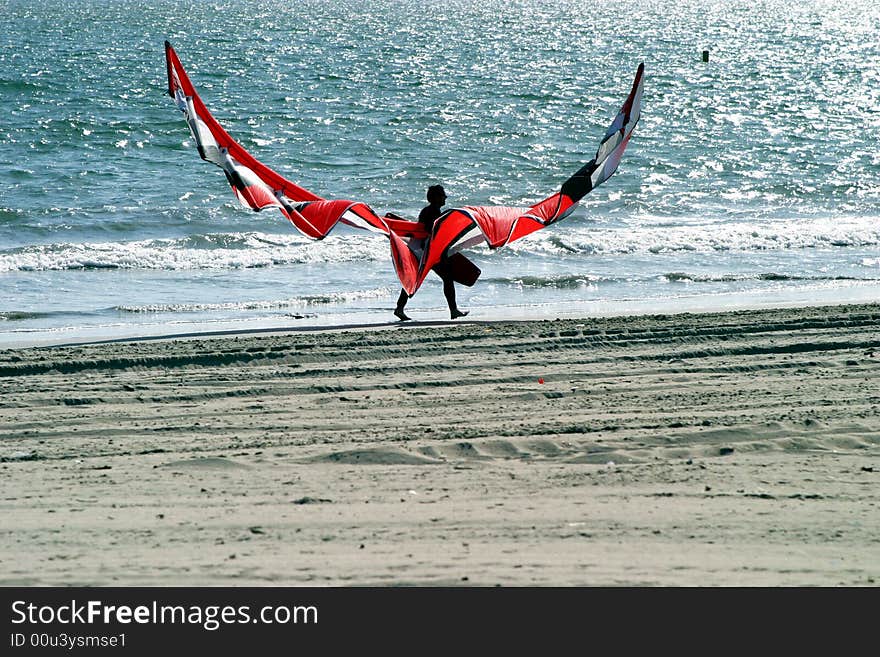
[541, 380]
[705, 55]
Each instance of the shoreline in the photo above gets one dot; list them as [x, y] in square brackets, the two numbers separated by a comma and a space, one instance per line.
[379, 318]
[720, 449]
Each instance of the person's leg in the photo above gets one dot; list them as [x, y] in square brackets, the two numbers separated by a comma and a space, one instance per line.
[449, 293]
[401, 303]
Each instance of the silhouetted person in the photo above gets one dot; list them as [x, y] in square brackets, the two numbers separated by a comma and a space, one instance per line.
[429, 214]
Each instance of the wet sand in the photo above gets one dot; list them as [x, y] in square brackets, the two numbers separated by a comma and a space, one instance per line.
[724, 449]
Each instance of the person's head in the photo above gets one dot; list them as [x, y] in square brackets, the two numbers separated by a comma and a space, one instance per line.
[436, 195]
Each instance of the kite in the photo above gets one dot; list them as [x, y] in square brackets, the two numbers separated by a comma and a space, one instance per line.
[258, 187]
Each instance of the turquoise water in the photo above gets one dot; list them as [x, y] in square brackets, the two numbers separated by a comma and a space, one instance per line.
[752, 179]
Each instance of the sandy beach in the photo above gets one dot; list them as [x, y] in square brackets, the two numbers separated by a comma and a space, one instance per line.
[725, 449]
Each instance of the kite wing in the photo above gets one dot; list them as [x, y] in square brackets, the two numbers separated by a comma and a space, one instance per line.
[258, 187]
[498, 226]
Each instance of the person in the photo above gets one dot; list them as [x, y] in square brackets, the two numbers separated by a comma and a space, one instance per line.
[436, 200]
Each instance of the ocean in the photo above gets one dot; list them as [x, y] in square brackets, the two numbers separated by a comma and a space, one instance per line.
[753, 179]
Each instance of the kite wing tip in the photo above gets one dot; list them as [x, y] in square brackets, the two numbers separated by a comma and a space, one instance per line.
[168, 51]
[637, 82]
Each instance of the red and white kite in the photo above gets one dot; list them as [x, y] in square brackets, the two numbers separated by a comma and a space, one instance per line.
[258, 187]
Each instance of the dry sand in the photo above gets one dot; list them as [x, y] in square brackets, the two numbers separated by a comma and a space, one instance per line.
[719, 449]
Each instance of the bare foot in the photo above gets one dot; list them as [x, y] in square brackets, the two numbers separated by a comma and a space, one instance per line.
[401, 315]
[455, 314]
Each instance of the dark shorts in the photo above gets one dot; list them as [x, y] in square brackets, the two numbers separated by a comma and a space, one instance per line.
[459, 269]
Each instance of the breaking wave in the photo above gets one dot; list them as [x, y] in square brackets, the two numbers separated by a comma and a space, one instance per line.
[243, 250]
[562, 282]
[684, 277]
[650, 238]
[213, 251]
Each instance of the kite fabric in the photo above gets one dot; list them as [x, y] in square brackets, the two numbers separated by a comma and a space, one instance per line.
[258, 187]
